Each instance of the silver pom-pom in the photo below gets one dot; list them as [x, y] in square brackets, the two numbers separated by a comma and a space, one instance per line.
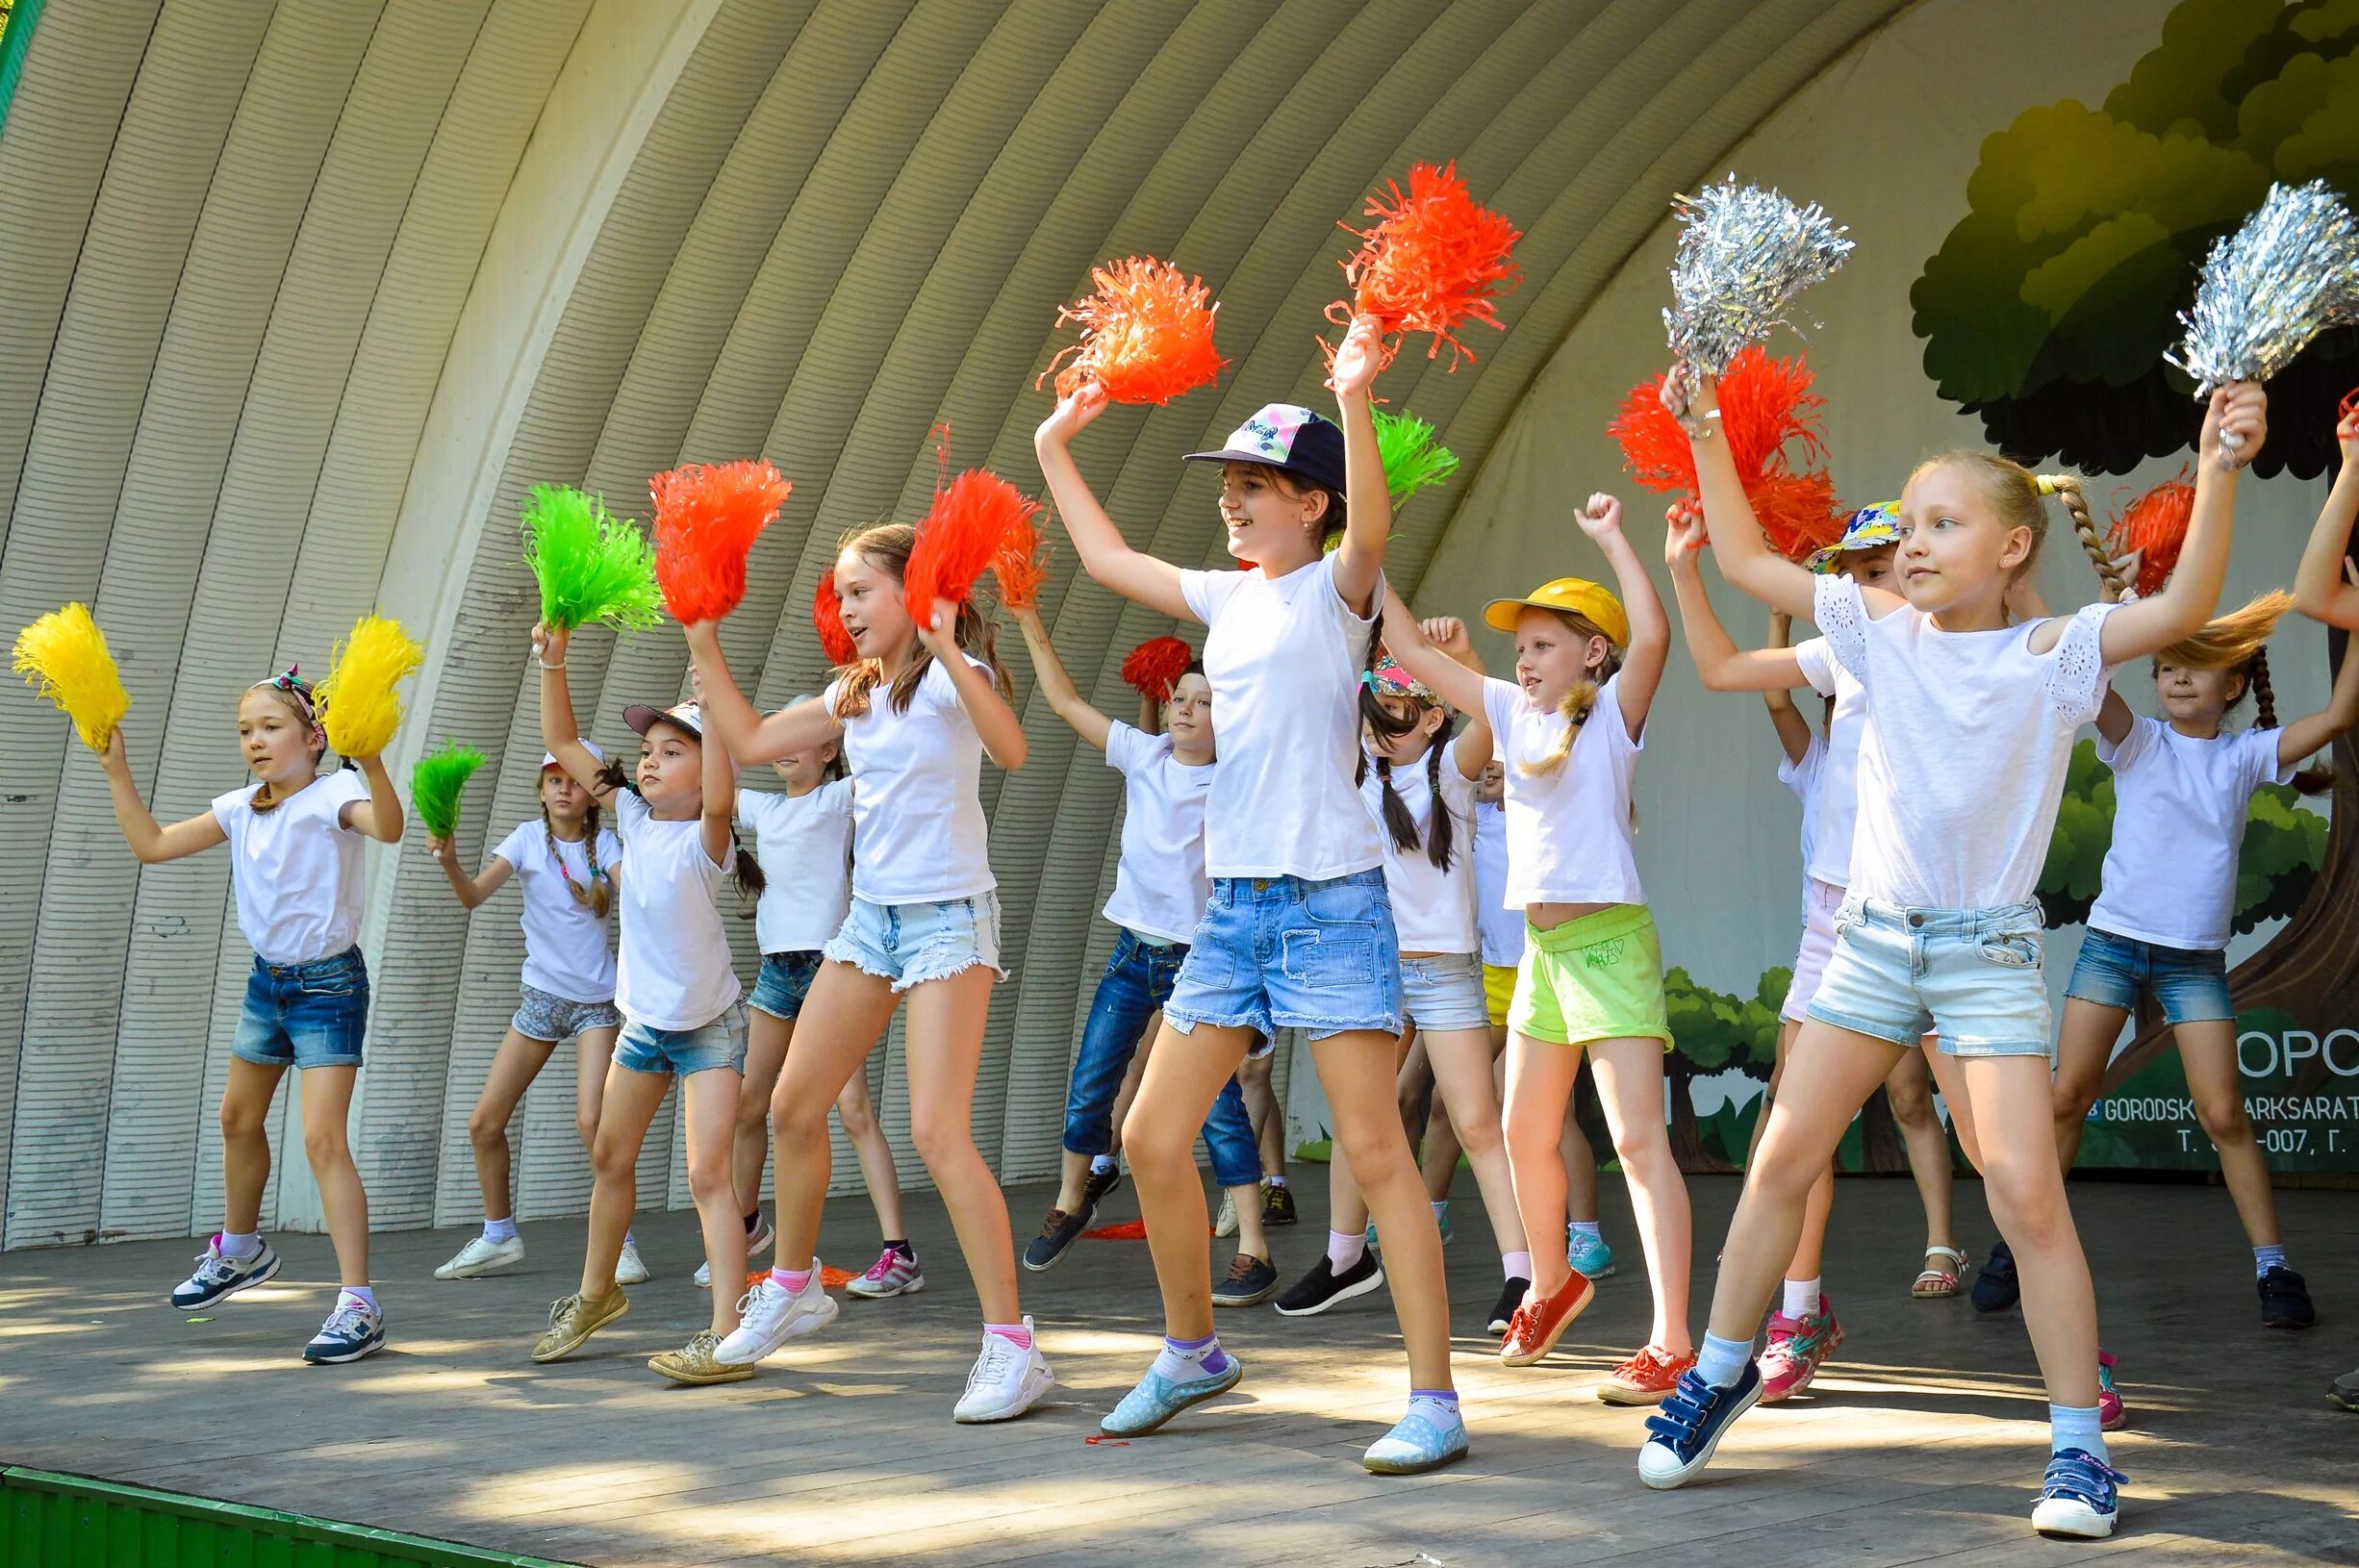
[2289, 272]
[1744, 255]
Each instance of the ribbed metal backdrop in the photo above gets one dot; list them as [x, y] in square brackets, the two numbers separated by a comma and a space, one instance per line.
[302, 300]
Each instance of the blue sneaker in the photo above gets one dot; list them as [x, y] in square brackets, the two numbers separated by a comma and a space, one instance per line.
[2078, 1496]
[1415, 1446]
[354, 1329]
[1689, 1423]
[1157, 1398]
[1589, 1255]
[219, 1275]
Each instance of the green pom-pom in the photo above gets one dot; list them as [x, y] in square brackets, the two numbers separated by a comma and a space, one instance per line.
[435, 783]
[592, 564]
[1413, 458]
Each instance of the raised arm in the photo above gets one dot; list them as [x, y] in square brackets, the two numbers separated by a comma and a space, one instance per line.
[1413, 651]
[750, 738]
[148, 841]
[472, 890]
[379, 816]
[1650, 629]
[559, 732]
[2188, 599]
[2314, 732]
[994, 721]
[2319, 591]
[1745, 557]
[1064, 697]
[720, 780]
[1359, 560]
[1473, 748]
[1719, 663]
[1106, 555]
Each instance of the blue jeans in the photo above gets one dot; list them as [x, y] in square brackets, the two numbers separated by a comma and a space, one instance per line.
[1137, 980]
[304, 1015]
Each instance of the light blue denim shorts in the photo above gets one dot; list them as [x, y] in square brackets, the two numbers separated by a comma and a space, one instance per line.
[1444, 991]
[1973, 975]
[1278, 952]
[914, 943]
[645, 1048]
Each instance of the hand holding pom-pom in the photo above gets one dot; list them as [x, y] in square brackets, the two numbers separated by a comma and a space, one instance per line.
[2234, 426]
[358, 706]
[1434, 261]
[1358, 360]
[63, 656]
[1146, 335]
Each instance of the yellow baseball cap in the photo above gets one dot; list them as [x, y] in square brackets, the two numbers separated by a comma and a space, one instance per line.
[1573, 595]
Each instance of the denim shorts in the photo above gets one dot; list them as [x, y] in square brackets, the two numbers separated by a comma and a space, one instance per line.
[1276, 952]
[645, 1048]
[2190, 984]
[1971, 974]
[543, 1015]
[784, 982]
[304, 1015]
[1444, 991]
[912, 944]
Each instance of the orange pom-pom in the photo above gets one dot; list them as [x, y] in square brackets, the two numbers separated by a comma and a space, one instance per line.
[1434, 261]
[1021, 565]
[706, 517]
[828, 615]
[1769, 418]
[1798, 512]
[1155, 667]
[1146, 335]
[971, 519]
[2156, 523]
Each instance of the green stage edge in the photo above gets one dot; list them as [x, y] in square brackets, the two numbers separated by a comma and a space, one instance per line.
[49, 1520]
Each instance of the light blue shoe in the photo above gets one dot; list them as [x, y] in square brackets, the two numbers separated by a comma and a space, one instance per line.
[1157, 1398]
[1415, 1446]
[1589, 1255]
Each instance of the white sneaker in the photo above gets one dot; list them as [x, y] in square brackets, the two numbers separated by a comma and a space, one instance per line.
[482, 1255]
[769, 1315]
[1006, 1382]
[629, 1270]
[1227, 1223]
[763, 1235]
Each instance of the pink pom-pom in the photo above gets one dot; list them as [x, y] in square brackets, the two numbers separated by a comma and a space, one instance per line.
[706, 519]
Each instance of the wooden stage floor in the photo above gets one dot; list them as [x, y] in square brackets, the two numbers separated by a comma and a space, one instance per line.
[1921, 1444]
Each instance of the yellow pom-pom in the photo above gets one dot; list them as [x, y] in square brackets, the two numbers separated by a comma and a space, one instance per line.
[356, 701]
[64, 657]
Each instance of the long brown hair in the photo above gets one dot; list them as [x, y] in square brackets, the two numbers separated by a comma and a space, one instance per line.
[886, 546]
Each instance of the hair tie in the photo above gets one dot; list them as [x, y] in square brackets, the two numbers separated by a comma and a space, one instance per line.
[2043, 483]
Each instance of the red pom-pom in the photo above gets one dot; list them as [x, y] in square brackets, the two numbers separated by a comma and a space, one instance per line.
[1021, 565]
[1146, 335]
[1434, 261]
[706, 517]
[2156, 523]
[1769, 418]
[1155, 667]
[828, 615]
[971, 519]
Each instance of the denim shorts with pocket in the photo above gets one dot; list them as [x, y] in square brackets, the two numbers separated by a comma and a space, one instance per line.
[1972, 975]
[645, 1048]
[304, 1015]
[2190, 984]
[783, 984]
[1278, 952]
[914, 943]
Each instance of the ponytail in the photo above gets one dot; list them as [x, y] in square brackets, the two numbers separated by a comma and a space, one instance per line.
[746, 872]
[2315, 780]
[1578, 703]
[1436, 837]
[1439, 847]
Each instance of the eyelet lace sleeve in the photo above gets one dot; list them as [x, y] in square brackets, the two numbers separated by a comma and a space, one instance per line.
[1842, 620]
[2077, 671]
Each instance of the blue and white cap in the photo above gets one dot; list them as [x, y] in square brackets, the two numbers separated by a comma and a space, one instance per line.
[1285, 436]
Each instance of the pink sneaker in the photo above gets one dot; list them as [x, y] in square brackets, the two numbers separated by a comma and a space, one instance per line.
[895, 1272]
[2111, 1416]
[1796, 1350]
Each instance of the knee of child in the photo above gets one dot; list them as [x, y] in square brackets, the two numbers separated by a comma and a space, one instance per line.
[941, 1137]
[1151, 1140]
[1912, 1105]
[1478, 1134]
[586, 1129]
[485, 1129]
[240, 1124]
[857, 1114]
[709, 1175]
[613, 1158]
[323, 1143]
[2223, 1120]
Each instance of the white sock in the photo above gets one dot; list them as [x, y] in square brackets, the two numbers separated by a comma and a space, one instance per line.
[1183, 1361]
[1801, 1298]
[365, 1295]
[1345, 1249]
[1099, 1164]
[1517, 1265]
[1588, 1228]
[496, 1230]
[239, 1246]
[2076, 1426]
[1720, 1362]
[1438, 1405]
[1277, 1182]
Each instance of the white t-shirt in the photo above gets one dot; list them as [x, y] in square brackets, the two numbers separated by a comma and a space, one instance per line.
[297, 869]
[566, 949]
[1160, 884]
[1284, 657]
[674, 971]
[2180, 805]
[1963, 761]
[918, 830]
[1810, 779]
[1433, 909]
[1502, 927]
[1826, 854]
[1569, 831]
[805, 844]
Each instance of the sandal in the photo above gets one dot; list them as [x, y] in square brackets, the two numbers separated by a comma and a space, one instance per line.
[1936, 1282]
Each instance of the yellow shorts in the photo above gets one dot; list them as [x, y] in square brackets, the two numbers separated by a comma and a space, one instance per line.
[1595, 978]
[1499, 990]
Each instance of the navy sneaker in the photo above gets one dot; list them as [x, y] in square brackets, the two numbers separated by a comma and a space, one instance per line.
[2285, 1300]
[1058, 1234]
[219, 1275]
[1995, 1286]
[1688, 1425]
[2079, 1495]
[354, 1329]
[1252, 1280]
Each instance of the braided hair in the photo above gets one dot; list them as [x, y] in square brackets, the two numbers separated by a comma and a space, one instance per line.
[598, 895]
[2020, 496]
[1437, 838]
[2315, 779]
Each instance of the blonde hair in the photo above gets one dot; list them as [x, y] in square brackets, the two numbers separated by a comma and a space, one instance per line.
[886, 546]
[2020, 497]
[1578, 703]
[2238, 642]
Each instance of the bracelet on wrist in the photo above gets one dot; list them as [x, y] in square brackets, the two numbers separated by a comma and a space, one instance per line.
[546, 664]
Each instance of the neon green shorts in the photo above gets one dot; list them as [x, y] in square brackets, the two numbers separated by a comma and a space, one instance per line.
[1595, 978]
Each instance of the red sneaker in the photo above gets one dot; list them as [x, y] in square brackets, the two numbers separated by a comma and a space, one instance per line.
[1796, 1350]
[2111, 1416]
[1645, 1378]
[1541, 1321]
